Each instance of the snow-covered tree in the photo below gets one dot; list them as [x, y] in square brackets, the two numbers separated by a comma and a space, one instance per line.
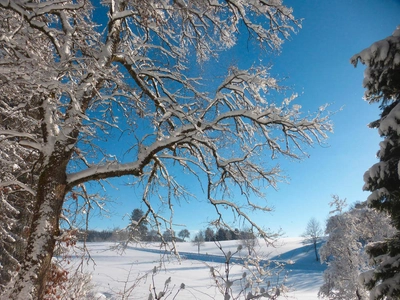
[16, 206]
[18, 172]
[382, 83]
[76, 86]
[344, 250]
[313, 234]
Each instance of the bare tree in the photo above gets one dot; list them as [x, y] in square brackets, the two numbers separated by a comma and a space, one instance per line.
[254, 282]
[248, 240]
[198, 240]
[75, 86]
[313, 234]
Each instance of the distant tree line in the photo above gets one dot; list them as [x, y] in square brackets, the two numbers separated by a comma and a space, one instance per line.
[139, 230]
[113, 235]
[223, 234]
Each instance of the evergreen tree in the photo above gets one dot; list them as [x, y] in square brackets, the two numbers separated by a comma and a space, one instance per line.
[382, 83]
[209, 234]
[138, 225]
[221, 234]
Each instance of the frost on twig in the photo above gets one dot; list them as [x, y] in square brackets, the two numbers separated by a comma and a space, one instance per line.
[247, 277]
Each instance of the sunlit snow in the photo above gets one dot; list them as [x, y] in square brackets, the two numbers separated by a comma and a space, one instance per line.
[113, 274]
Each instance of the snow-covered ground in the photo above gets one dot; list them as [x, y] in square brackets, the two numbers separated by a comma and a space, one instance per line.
[115, 274]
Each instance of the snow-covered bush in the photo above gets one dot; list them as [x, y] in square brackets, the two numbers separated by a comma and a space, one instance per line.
[344, 250]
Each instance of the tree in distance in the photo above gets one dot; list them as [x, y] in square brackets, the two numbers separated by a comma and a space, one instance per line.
[248, 240]
[138, 225]
[313, 234]
[183, 234]
[198, 240]
[209, 234]
[168, 235]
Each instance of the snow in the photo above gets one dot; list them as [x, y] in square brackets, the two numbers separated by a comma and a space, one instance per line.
[381, 59]
[377, 194]
[396, 60]
[397, 31]
[113, 273]
[390, 121]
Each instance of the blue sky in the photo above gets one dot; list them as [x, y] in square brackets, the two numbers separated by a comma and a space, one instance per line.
[316, 63]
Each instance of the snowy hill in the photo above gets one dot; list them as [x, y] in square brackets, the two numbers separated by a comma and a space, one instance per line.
[115, 274]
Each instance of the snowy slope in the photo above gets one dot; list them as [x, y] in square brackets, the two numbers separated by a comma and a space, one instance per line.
[115, 274]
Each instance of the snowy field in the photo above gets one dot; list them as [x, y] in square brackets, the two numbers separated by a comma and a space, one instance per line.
[115, 274]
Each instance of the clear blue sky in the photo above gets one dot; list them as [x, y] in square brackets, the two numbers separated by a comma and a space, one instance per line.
[316, 63]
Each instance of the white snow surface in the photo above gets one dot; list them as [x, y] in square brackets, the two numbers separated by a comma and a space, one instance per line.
[113, 273]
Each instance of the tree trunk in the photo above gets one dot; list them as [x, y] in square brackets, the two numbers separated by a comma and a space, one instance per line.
[316, 252]
[31, 280]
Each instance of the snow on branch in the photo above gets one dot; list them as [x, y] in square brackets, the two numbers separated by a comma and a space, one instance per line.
[31, 139]
[69, 88]
[382, 61]
[19, 184]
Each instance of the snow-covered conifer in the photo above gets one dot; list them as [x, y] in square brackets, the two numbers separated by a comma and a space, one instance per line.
[382, 83]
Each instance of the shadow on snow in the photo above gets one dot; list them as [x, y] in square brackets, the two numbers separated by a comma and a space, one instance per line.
[302, 258]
